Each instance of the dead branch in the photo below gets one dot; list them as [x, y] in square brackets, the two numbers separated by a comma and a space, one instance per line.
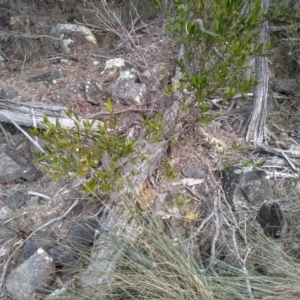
[279, 152]
[255, 128]
[21, 114]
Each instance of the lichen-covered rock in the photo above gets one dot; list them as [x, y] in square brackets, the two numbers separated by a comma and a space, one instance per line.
[247, 187]
[71, 35]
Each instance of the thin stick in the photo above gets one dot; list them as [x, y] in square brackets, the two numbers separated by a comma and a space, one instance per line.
[5, 135]
[26, 134]
[5, 267]
[101, 113]
[289, 162]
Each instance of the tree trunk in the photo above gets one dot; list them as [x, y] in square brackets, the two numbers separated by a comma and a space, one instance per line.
[256, 125]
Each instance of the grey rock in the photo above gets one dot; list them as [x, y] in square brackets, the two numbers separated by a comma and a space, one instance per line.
[247, 187]
[65, 258]
[33, 201]
[226, 126]
[81, 235]
[6, 233]
[49, 78]
[75, 88]
[67, 252]
[297, 129]
[62, 253]
[94, 92]
[42, 239]
[127, 91]
[4, 251]
[133, 75]
[2, 61]
[26, 99]
[34, 275]
[287, 86]
[193, 172]
[14, 165]
[16, 200]
[5, 213]
[57, 98]
[272, 220]
[72, 35]
[295, 250]
[8, 93]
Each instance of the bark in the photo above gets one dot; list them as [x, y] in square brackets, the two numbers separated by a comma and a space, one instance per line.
[256, 126]
[32, 114]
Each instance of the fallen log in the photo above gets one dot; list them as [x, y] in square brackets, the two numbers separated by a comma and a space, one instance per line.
[32, 114]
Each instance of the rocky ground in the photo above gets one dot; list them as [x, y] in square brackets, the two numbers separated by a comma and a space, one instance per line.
[47, 227]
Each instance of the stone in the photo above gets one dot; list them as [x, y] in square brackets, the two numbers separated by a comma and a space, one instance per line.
[49, 78]
[4, 251]
[65, 258]
[112, 65]
[81, 235]
[6, 213]
[71, 35]
[287, 86]
[67, 252]
[14, 165]
[193, 172]
[272, 220]
[297, 129]
[127, 91]
[26, 99]
[94, 92]
[16, 200]
[33, 201]
[2, 61]
[8, 93]
[75, 88]
[32, 276]
[247, 187]
[42, 239]
[57, 98]
[6, 233]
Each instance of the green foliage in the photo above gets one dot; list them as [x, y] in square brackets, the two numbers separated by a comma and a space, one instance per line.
[155, 127]
[181, 201]
[219, 37]
[79, 151]
[287, 12]
[169, 171]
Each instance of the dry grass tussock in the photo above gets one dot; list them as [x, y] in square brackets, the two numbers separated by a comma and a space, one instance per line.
[225, 255]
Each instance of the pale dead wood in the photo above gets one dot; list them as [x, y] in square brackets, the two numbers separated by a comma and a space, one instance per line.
[255, 129]
[279, 152]
[21, 114]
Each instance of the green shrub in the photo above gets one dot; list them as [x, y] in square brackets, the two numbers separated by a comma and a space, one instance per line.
[219, 38]
[80, 151]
